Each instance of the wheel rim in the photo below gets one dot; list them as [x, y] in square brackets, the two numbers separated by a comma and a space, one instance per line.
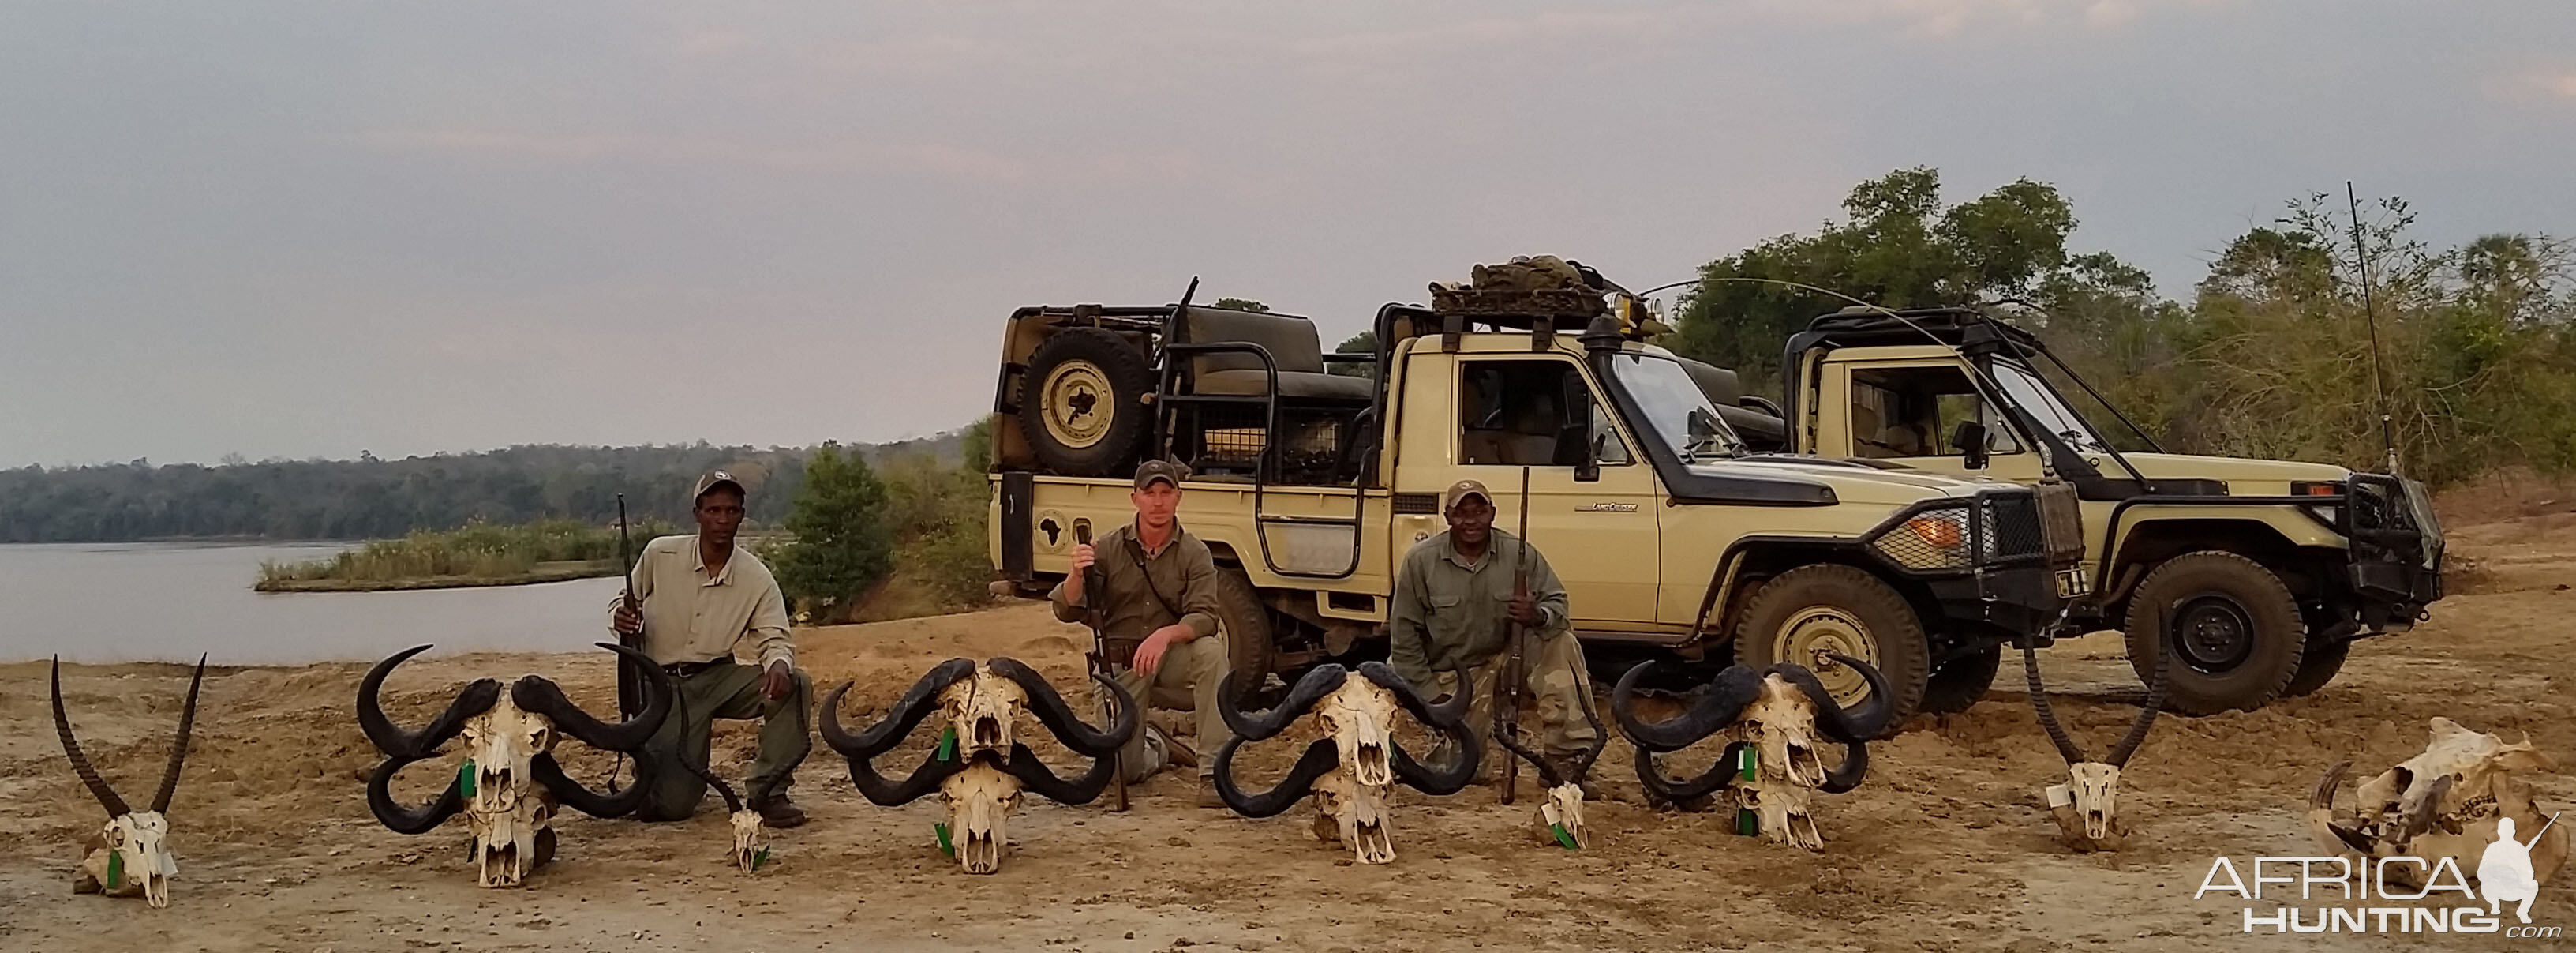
[1813, 632]
[2212, 633]
[1077, 402]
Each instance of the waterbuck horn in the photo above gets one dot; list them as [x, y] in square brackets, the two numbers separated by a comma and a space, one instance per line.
[1317, 683]
[1051, 711]
[1320, 757]
[733, 802]
[80, 762]
[1715, 708]
[2119, 756]
[1708, 782]
[395, 818]
[547, 772]
[477, 698]
[538, 694]
[1036, 777]
[179, 745]
[1547, 772]
[916, 704]
[1847, 725]
[2048, 716]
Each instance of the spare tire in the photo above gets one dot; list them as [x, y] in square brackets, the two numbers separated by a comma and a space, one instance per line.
[1085, 403]
[1245, 621]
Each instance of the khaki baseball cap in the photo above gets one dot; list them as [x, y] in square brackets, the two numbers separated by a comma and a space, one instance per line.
[713, 479]
[1167, 471]
[1460, 491]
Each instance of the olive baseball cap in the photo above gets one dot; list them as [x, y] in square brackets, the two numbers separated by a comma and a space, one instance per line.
[1166, 471]
[1460, 491]
[713, 479]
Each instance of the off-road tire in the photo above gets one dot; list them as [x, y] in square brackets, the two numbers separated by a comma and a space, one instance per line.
[1246, 622]
[1853, 607]
[2318, 663]
[2227, 596]
[1084, 403]
[1961, 682]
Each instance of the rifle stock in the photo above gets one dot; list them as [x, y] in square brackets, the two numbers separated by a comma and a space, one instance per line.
[1098, 661]
[1515, 676]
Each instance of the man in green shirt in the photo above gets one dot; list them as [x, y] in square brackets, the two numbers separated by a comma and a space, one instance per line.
[1453, 593]
[1159, 615]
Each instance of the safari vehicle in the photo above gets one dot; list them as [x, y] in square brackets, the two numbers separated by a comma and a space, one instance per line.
[2264, 571]
[1309, 486]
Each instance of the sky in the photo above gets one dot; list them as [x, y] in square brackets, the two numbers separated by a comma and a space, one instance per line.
[315, 229]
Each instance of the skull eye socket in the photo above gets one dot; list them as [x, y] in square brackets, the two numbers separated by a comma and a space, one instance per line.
[540, 739]
[116, 836]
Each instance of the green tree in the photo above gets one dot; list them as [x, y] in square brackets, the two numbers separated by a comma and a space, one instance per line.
[842, 543]
[1364, 342]
[1241, 304]
[1898, 247]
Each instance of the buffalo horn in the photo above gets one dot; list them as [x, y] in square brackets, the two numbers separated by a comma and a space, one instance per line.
[477, 698]
[1321, 756]
[1716, 707]
[540, 695]
[1051, 711]
[915, 705]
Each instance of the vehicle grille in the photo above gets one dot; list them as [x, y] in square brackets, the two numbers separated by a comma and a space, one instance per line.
[2001, 527]
[2010, 525]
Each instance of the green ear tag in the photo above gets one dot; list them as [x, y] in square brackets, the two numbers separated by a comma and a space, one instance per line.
[944, 846]
[1746, 823]
[948, 743]
[115, 870]
[1563, 839]
[465, 778]
[759, 859]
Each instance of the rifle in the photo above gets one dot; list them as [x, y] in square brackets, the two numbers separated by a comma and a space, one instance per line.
[1098, 661]
[630, 689]
[1507, 703]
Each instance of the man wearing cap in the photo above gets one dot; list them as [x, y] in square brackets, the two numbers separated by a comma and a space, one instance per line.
[1452, 594]
[701, 597]
[1158, 614]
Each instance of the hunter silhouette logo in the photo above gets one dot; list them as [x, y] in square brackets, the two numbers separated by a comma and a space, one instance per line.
[2504, 871]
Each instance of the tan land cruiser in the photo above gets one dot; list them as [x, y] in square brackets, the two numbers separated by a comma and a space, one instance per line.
[2264, 571]
[1666, 530]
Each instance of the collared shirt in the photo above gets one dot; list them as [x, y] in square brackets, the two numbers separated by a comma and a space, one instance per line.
[691, 616]
[1146, 591]
[1449, 610]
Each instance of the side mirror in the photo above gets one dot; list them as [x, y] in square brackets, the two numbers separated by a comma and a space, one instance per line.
[1970, 441]
[1701, 427]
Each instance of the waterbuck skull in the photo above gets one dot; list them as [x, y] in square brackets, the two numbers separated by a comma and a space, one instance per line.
[509, 785]
[1560, 816]
[131, 855]
[2445, 802]
[1355, 765]
[982, 780]
[2086, 805]
[1779, 714]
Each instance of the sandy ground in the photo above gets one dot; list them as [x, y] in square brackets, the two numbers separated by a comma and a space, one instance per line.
[1944, 848]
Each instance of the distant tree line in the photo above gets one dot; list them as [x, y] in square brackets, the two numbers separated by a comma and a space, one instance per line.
[371, 498]
[2270, 355]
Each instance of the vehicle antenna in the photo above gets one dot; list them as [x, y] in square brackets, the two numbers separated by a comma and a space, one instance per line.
[2370, 316]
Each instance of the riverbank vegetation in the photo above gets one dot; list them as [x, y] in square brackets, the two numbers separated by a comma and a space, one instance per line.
[479, 554]
[869, 543]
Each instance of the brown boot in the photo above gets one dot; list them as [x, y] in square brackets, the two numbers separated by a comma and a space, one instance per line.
[1208, 796]
[778, 811]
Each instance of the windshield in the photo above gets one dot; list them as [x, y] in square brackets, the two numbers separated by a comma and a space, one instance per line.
[1669, 400]
[2034, 396]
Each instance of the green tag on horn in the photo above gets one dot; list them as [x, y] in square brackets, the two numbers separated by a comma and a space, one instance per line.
[948, 743]
[1563, 839]
[944, 846]
[759, 859]
[115, 870]
[465, 778]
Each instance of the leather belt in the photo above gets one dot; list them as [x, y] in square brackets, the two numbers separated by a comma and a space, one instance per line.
[686, 669]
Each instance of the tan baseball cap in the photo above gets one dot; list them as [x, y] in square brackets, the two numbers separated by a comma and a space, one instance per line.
[1167, 471]
[1460, 491]
[713, 479]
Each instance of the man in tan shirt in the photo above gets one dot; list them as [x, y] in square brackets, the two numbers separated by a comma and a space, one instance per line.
[703, 597]
[1158, 612]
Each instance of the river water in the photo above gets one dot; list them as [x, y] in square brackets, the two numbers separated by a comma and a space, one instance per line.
[124, 602]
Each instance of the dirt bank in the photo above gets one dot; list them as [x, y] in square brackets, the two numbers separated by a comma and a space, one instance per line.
[1945, 848]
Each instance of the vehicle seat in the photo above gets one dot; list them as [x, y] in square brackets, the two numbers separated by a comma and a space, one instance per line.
[1293, 346]
[1531, 439]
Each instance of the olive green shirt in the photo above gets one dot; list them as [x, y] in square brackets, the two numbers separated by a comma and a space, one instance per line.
[692, 616]
[1183, 574]
[1449, 610]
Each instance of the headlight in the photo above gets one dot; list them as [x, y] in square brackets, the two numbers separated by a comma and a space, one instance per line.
[1942, 531]
[1935, 539]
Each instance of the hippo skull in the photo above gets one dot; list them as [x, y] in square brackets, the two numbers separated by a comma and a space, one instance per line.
[2444, 802]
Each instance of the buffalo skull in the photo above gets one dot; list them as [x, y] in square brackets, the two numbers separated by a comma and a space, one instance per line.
[982, 780]
[2448, 801]
[1355, 765]
[1780, 714]
[2086, 805]
[130, 855]
[509, 784]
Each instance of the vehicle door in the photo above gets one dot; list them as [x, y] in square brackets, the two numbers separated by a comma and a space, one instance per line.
[1532, 414]
[1914, 412]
